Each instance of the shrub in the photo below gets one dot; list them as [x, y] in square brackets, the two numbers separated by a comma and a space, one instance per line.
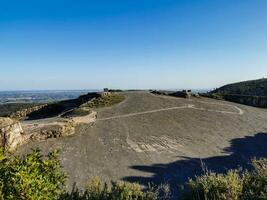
[31, 177]
[235, 185]
[97, 190]
[105, 101]
[212, 186]
[36, 177]
[255, 183]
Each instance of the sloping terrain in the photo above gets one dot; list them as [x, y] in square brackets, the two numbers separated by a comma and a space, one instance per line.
[9, 108]
[58, 108]
[251, 88]
[253, 93]
[152, 138]
[54, 120]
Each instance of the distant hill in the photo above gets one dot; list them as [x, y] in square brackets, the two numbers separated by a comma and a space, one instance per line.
[253, 93]
[252, 88]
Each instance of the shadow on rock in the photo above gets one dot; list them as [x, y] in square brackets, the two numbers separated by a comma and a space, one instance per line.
[241, 151]
[58, 108]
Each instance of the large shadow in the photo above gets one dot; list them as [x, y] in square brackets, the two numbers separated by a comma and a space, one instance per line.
[57, 108]
[239, 154]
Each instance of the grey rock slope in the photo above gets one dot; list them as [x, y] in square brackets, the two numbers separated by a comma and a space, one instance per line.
[150, 138]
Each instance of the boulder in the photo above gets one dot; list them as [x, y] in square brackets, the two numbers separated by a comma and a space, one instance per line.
[11, 134]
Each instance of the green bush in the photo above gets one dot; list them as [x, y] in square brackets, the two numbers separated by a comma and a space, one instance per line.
[212, 186]
[105, 101]
[97, 190]
[37, 177]
[255, 183]
[31, 177]
[235, 185]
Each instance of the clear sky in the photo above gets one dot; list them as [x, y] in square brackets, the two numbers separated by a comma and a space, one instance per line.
[163, 44]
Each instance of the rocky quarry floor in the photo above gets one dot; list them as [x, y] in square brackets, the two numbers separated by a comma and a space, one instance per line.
[14, 132]
[152, 138]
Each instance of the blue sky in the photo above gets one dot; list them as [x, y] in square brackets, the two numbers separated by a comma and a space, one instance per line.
[164, 44]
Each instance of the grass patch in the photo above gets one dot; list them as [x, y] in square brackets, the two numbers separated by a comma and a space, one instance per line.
[98, 102]
[104, 101]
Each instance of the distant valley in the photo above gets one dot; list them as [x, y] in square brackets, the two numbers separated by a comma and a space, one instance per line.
[41, 96]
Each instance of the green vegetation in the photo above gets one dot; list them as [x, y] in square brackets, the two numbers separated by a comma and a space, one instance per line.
[97, 102]
[255, 183]
[31, 177]
[251, 88]
[217, 96]
[104, 101]
[76, 107]
[97, 190]
[253, 93]
[57, 108]
[216, 186]
[235, 185]
[34, 177]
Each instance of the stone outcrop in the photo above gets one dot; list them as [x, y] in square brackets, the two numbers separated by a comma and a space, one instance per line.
[54, 130]
[11, 134]
[23, 113]
[14, 133]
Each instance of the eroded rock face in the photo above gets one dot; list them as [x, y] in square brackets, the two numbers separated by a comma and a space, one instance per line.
[52, 130]
[11, 134]
[23, 113]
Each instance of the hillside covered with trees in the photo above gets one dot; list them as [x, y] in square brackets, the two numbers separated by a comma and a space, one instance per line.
[252, 88]
[252, 93]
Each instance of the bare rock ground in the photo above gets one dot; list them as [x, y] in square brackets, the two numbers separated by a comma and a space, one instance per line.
[150, 138]
[55, 127]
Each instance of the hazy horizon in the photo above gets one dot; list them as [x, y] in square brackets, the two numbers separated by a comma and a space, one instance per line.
[95, 90]
[142, 44]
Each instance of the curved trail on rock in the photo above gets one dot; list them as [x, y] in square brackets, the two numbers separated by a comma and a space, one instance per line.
[189, 106]
[147, 138]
